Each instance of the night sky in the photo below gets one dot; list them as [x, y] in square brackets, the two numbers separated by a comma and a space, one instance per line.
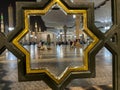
[4, 7]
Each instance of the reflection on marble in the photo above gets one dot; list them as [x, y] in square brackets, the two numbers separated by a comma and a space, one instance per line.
[57, 59]
[10, 56]
[9, 74]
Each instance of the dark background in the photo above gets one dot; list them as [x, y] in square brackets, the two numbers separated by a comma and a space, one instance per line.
[4, 8]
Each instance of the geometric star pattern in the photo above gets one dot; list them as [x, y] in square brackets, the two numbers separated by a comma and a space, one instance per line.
[23, 9]
[68, 70]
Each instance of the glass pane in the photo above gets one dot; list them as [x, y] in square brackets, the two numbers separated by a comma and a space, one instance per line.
[103, 16]
[56, 41]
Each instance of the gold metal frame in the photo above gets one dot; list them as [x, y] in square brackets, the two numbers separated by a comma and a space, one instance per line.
[68, 70]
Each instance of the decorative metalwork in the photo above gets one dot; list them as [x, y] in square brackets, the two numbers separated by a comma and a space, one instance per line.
[68, 70]
[10, 42]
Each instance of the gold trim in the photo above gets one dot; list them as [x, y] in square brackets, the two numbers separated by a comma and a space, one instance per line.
[68, 70]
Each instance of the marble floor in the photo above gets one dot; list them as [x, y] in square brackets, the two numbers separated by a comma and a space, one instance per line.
[57, 56]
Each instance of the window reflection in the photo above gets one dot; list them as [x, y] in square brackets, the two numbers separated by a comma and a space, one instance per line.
[103, 16]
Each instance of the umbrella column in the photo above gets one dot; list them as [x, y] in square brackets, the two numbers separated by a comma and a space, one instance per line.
[77, 22]
[65, 31]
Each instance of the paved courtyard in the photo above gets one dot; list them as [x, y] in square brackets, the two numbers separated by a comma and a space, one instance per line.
[9, 75]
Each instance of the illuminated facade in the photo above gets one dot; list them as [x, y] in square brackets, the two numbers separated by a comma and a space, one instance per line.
[2, 23]
[10, 18]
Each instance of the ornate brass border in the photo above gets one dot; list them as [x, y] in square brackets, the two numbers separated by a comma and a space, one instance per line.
[58, 80]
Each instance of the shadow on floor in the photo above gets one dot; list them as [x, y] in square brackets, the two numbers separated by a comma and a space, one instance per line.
[4, 84]
[101, 87]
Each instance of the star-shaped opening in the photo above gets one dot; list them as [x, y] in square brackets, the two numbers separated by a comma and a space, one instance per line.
[69, 69]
